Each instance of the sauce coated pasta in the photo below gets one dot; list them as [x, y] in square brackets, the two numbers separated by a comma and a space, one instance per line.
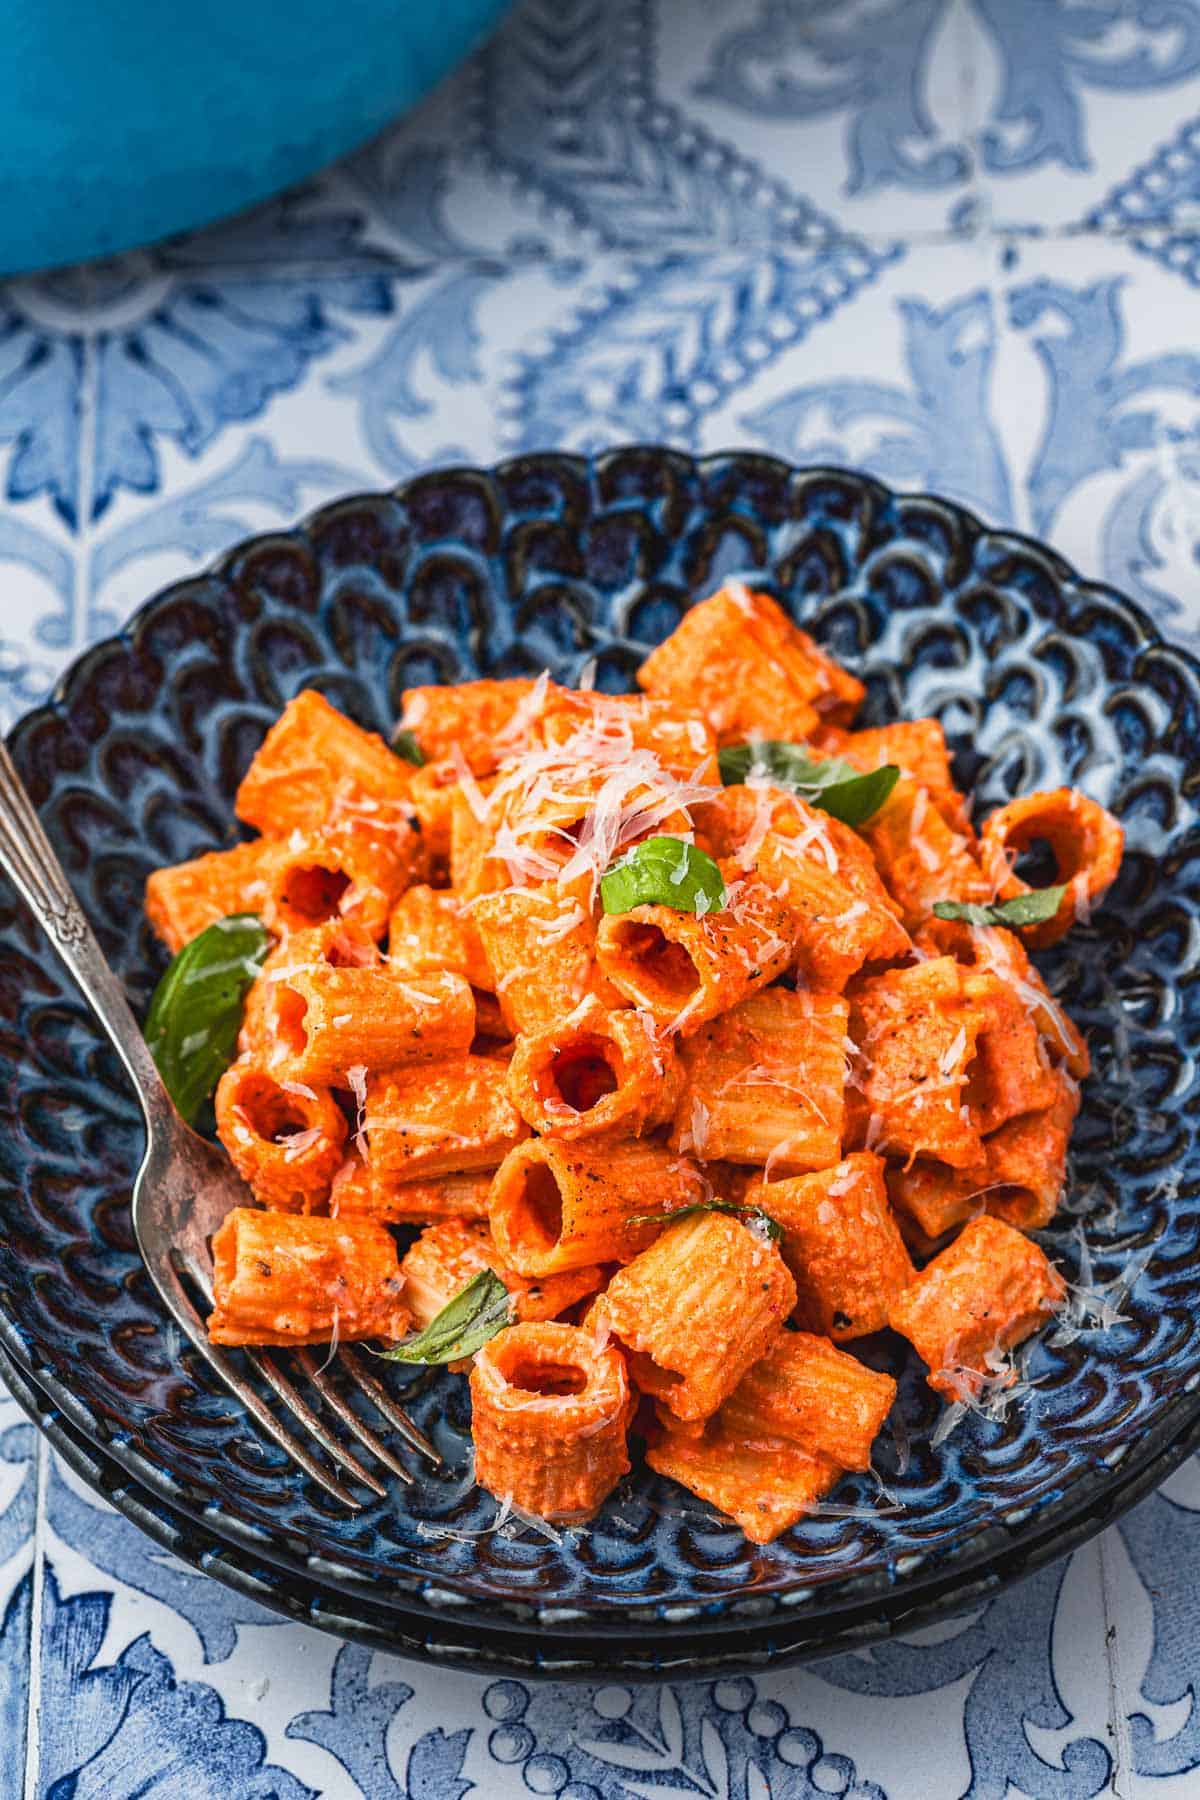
[644, 1055]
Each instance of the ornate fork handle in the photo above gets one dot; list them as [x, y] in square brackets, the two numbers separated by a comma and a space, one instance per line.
[28, 859]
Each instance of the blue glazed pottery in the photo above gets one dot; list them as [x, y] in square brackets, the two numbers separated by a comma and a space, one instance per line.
[125, 122]
[559, 562]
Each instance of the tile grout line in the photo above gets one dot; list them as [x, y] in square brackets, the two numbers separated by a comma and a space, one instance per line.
[1122, 1747]
[34, 1694]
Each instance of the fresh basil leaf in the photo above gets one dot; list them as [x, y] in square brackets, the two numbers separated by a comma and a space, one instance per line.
[750, 1215]
[1022, 909]
[836, 787]
[406, 746]
[464, 1325]
[663, 871]
[196, 1013]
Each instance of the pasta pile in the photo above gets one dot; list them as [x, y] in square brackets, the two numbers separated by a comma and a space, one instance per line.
[694, 1030]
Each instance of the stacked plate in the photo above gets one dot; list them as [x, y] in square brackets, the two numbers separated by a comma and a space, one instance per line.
[556, 562]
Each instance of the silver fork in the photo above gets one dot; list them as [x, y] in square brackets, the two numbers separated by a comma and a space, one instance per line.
[185, 1186]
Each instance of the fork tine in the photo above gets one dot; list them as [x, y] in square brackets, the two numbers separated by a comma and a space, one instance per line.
[374, 1390]
[350, 1419]
[274, 1376]
[188, 1319]
[362, 1379]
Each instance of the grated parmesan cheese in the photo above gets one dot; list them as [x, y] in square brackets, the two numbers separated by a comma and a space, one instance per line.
[356, 1080]
[298, 1142]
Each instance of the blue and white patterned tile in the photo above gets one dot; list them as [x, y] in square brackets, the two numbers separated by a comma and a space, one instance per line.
[1153, 1562]
[925, 115]
[1098, 406]
[20, 1453]
[1071, 100]
[156, 1681]
[866, 106]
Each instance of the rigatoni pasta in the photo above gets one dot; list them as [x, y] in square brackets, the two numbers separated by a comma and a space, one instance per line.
[696, 1310]
[297, 1279]
[550, 1410]
[683, 1029]
[765, 1083]
[555, 1204]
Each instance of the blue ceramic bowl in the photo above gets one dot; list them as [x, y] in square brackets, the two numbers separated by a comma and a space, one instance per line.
[123, 122]
[552, 562]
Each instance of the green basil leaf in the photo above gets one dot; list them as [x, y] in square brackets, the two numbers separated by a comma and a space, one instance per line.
[464, 1325]
[663, 871]
[1022, 909]
[827, 782]
[196, 1013]
[750, 1215]
[406, 746]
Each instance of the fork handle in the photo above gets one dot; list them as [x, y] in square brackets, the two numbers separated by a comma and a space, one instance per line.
[30, 863]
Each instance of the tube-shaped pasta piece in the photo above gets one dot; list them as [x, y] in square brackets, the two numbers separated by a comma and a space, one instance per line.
[360, 1189]
[540, 943]
[593, 1071]
[1087, 844]
[433, 792]
[1012, 1073]
[842, 915]
[444, 1118]
[335, 945]
[917, 747]
[765, 1083]
[284, 1140]
[842, 1245]
[483, 720]
[980, 1297]
[1027, 1161]
[683, 744]
[738, 661]
[683, 968]
[931, 1198]
[549, 1412]
[326, 1021]
[696, 1310]
[809, 1393]
[473, 868]
[916, 1031]
[282, 1278]
[349, 872]
[428, 929]
[556, 1205]
[800, 1417]
[312, 757]
[452, 1252]
[993, 950]
[920, 858]
[765, 1486]
[1020, 1177]
[183, 900]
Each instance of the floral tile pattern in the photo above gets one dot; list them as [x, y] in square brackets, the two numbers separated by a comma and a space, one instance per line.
[954, 241]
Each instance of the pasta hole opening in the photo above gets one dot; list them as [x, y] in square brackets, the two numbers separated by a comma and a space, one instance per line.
[541, 1206]
[344, 952]
[1016, 1204]
[1037, 863]
[547, 1378]
[563, 841]
[315, 893]
[582, 1074]
[271, 1114]
[648, 1375]
[661, 964]
[290, 1010]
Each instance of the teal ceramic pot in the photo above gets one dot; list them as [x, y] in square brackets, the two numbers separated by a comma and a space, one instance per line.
[125, 120]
